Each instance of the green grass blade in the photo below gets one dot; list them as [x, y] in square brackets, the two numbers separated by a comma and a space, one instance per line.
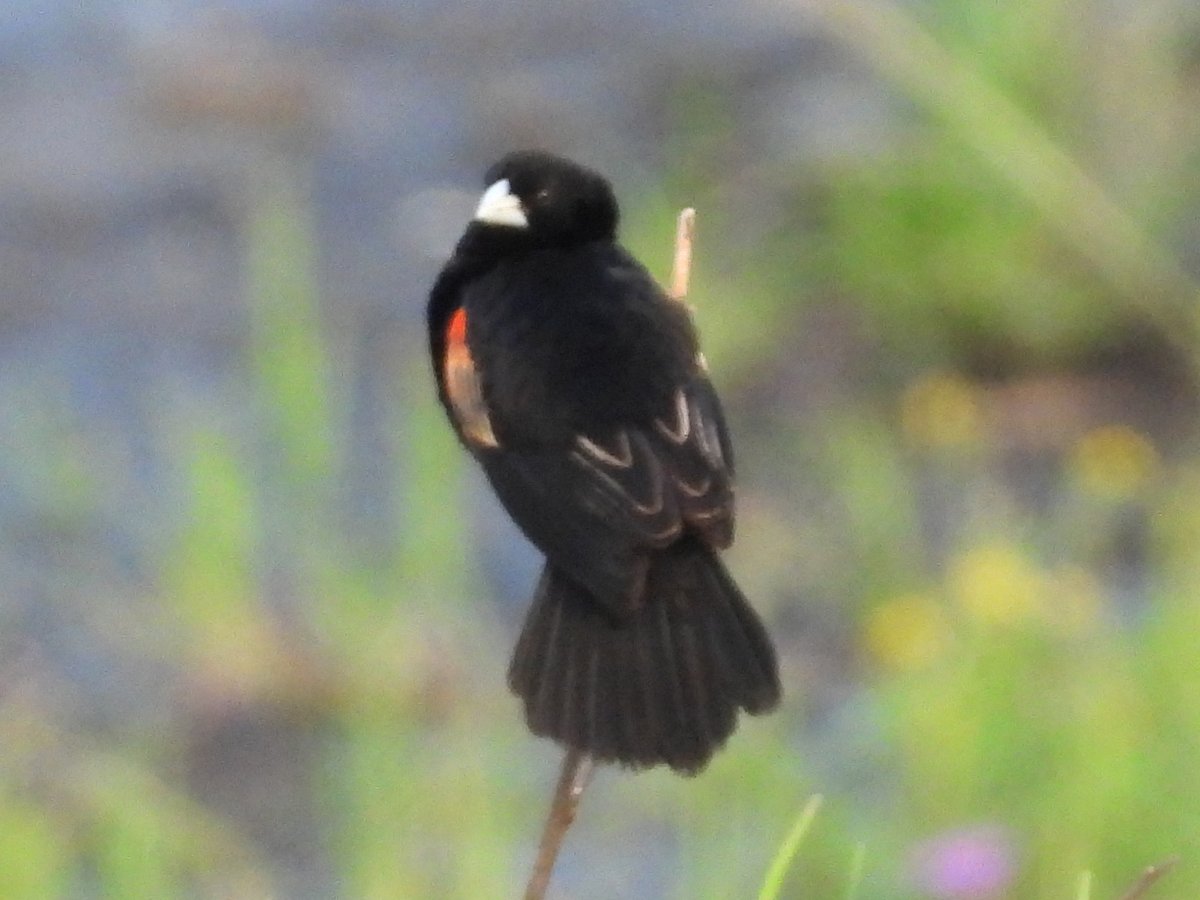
[857, 866]
[1084, 891]
[782, 862]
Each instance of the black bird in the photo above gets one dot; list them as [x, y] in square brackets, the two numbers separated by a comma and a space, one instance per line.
[578, 385]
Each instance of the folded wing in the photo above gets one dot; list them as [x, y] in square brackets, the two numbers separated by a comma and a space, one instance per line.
[598, 506]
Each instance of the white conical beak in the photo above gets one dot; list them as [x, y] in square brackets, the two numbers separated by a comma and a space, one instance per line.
[499, 206]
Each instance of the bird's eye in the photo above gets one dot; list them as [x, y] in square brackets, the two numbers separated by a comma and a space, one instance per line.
[543, 194]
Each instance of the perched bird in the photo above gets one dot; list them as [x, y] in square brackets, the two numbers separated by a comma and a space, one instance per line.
[578, 384]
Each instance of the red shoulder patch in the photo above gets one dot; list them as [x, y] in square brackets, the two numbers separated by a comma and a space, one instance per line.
[463, 386]
[456, 330]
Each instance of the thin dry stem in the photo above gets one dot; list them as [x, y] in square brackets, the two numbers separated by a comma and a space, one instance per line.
[1149, 878]
[577, 766]
[681, 271]
[576, 772]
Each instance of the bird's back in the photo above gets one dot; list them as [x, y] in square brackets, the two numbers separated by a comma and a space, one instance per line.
[576, 340]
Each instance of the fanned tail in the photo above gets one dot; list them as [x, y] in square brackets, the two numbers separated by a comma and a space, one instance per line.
[663, 685]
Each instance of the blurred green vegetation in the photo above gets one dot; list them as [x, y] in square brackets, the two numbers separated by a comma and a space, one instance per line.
[963, 654]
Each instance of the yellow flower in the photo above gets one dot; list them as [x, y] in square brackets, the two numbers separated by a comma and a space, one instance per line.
[994, 583]
[942, 411]
[907, 632]
[1114, 461]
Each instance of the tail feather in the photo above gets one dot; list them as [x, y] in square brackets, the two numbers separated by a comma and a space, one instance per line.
[741, 647]
[661, 686]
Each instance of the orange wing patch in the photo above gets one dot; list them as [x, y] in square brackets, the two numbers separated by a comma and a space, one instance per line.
[463, 387]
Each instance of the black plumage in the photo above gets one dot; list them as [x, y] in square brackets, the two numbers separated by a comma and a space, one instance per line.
[578, 385]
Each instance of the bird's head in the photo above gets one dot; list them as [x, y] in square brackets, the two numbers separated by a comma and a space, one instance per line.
[545, 199]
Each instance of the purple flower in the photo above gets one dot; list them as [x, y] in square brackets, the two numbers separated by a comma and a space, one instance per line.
[973, 862]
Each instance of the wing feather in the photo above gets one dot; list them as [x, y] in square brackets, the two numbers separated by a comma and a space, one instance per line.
[598, 507]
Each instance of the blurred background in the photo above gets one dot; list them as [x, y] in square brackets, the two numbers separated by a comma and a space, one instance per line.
[256, 609]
